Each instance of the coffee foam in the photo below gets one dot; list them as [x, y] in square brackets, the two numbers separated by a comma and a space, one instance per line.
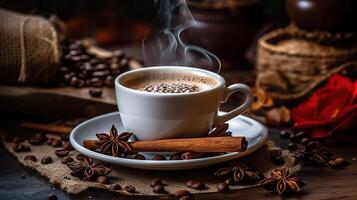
[154, 79]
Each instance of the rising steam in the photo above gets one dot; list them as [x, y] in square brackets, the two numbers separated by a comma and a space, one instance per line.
[167, 46]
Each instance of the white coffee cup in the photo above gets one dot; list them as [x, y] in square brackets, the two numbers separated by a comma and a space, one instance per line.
[152, 116]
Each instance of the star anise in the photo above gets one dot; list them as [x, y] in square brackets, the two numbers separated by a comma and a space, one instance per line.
[113, 143]
[283, 182]
[241, 173]
[317, 156]
[87, 169]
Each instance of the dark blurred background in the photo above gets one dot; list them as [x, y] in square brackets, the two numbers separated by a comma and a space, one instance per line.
[228, 28]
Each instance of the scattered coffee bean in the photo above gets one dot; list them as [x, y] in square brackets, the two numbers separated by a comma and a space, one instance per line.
[20, 147]
[181, 193]
[223, 187]
[80, 157]
[278, 160]
[338, 162]
[51, 197]
[285, 134]
[129, 188]
[176, 156]
[298, 136]
[311, 146]
[115, 186]
[229, 181]
[65, 138]
[156, 182]
[198, 185]
[159, 157]
[18, 139]
[37, 139]
[67, 145]
[158, 189]
[341, 161]
[30, 157]
[95, 92]
[305, 141]
[56, 143]
[292, 146]
[67, 160]
[103, 179]
[61, 152]
[138, 157]
[46, 160]
[49, 141]
[23, 176]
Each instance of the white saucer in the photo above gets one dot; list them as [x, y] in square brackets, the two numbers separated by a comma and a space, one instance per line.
[255, 133]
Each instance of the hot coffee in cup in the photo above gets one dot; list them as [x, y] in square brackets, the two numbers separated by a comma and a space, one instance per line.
[169, 82]
[171, 102]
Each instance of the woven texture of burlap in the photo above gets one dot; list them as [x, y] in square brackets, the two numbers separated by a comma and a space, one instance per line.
[288, 68]
[29, 48]
[59, 174]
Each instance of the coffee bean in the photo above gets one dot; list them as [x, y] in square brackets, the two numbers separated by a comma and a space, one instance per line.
[51, 197]
[101, 73]
[176, 156]
[49, 141]
[223, 187]
[278, 160]
[311, 146]
[292, 146]
[158, 157]
[56, 143]
[103, 179]
[67, 159]
[189, 183]
[138, 157]
[96, 82]
[298, 136]
[30, 157]
[18, 139]
[155, 182]
[20, 147]
[158, 189]
[67, 145]
[46, 160]
[341, 161]
[37, 139]
[61, 152]
[115, 186]
[198, 185]
[305, 141]
[73, 81]
[95, 92]
[101, 67]
[109, 81]
[275, 153]
[129, 188]
[229, 181]
[181, 193]
[285, 134]
[80, 157]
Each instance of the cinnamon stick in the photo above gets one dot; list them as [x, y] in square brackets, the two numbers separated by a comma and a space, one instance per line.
[207, 144]
[53, 128]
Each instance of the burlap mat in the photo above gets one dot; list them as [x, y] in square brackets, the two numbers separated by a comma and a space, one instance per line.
[59, 174]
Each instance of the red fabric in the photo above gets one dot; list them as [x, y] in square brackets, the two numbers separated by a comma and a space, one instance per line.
[329, 109]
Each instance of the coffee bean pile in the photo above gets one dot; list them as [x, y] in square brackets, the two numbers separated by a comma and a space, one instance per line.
[80, 68]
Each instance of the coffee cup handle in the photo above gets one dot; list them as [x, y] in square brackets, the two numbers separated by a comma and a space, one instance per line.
[238, 87]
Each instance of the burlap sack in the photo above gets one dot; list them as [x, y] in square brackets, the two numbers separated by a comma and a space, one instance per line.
[29, 48]
[59, 174]
[289, 68]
